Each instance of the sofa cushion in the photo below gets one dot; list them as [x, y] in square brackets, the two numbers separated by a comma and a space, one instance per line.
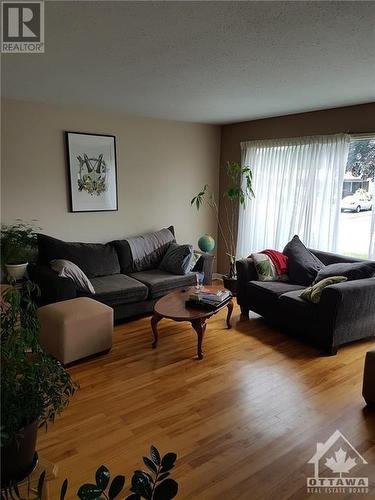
[177, 259]
[296, 310]
[144, 252]
[263, 295]
[351, 270]
[95, 259]
[161, 282]
[303, 265]
[332, 258]
[124, 255]
[118, 289]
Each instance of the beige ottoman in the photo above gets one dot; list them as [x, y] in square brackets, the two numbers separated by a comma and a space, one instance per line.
[368, 390]
[76, 328]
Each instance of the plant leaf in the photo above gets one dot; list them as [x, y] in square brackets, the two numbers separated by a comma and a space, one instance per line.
[102, 477]
[155, 455]
[166, 490]
[148, 463]
[89, 492]
[116, 487]
[64, 488]
[141, 484]
[168, 462]
[163, 476]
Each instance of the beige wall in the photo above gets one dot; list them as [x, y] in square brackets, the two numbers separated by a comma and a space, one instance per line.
[160, 165]
[350, 119]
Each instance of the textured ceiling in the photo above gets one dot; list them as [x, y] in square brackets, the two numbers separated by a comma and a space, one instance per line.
[214, 62]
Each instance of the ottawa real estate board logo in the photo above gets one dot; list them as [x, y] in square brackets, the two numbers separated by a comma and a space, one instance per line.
[22, 27]
[335, 463]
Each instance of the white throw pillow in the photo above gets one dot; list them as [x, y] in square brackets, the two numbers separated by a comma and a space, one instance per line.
[68, 269]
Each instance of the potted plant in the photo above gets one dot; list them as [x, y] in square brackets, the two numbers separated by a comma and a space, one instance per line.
[34, 386]
[18, 243]
[237, 193]
[154, 484]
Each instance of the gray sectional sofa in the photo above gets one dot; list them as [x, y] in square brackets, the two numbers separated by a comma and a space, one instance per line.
[346, 311]
[124, 273]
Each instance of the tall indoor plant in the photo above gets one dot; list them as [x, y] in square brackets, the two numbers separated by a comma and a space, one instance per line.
[34, 386]
[238, 191]
[18, 244]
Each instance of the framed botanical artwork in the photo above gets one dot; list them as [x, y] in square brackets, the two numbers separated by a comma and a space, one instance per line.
[92, 172]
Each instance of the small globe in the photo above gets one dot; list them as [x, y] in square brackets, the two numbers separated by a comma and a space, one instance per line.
[206, 243]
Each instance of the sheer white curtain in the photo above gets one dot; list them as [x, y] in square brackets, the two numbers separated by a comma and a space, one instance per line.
[298, 185]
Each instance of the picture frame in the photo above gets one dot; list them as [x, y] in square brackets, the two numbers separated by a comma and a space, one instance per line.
[92, 172]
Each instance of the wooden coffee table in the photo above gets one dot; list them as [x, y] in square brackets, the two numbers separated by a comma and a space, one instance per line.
[172, 306]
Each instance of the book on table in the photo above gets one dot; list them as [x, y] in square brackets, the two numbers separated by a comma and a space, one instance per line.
[210, 298]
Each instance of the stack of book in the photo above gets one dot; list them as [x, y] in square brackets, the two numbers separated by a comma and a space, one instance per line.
[208, 299]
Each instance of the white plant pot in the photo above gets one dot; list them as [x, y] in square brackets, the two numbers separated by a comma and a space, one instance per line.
[16, 271]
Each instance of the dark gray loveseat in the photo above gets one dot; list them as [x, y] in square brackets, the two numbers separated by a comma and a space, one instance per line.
[129, 287]
[345, 313]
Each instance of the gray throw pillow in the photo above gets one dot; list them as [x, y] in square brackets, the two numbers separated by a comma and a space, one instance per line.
[67, 269]
[351, 270]
[178, 259]
[303, 265]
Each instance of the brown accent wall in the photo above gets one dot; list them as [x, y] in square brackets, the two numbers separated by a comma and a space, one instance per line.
[351, 119]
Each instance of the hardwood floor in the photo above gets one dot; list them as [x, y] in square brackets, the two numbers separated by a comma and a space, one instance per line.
[244, 421]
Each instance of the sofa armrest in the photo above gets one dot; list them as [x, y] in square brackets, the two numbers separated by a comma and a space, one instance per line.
[245, 272]
[347, 311]
[52, 287]
[205, 263]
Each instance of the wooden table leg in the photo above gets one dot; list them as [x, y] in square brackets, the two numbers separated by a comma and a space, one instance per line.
[230, 310]
[199, 326]
[154, 321]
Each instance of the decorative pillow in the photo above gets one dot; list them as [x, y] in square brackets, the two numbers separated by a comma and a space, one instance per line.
[264, 267]
[177, 259]
[303, 265]
[314, 293]
[352, 270]
[280, 261]
[95, 259]
[67, 269]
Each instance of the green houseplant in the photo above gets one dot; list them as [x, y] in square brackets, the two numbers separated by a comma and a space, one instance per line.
[34, 386]
[18, 243]
[238, 191]
[155, 484]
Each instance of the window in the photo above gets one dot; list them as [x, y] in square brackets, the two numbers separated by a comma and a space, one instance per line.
[298, 186]
[358, 198]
